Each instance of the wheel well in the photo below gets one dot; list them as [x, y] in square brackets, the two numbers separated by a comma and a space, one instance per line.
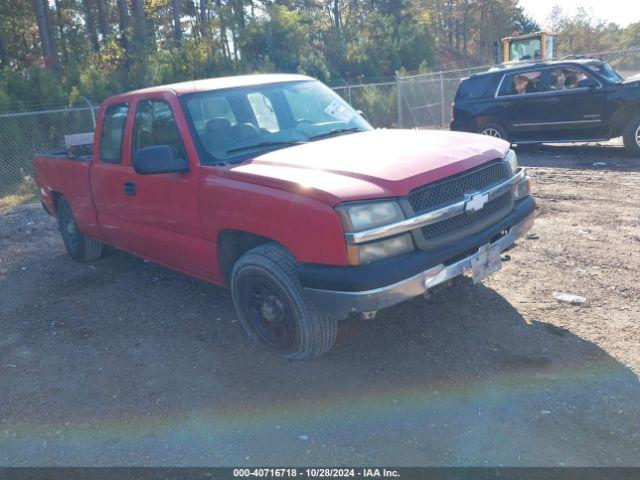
[481, 121]
[622, 116]
[232, 244]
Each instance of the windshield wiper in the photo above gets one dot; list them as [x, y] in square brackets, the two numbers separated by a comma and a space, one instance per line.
[335, 131]
[266, 144]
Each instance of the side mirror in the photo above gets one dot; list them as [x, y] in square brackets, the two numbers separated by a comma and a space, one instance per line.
[158, 159]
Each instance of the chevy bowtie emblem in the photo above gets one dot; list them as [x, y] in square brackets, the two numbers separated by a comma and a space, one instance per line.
[475, 201]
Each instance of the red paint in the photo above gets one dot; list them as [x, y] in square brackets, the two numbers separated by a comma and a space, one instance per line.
[286, 195]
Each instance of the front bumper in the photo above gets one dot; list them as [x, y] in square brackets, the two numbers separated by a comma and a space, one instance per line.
[339, 303]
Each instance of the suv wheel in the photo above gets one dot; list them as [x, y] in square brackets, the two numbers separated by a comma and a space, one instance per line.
[268, 299]
[631, 137]
[79, 247]
[493, 130]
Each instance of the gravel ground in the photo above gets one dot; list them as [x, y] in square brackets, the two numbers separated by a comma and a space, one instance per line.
[123, 362]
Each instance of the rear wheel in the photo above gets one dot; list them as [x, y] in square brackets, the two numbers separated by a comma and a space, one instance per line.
[493, 130]
[79, 247]
[268, 299]
[631, 137]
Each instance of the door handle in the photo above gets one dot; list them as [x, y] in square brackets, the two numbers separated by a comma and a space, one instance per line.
[551, 100]
[504, 104]
[129, 188]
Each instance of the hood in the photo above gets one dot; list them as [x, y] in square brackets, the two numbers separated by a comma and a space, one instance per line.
[368, 165]
[632, 79]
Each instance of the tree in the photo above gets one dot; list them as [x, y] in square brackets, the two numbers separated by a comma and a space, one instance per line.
[140, 21]
[47, 38]
[204, 17]
[172, 40]
[123, 24]
[103, 21]
[4, 58]
[177, 27]
[524, 23]
[91, 26]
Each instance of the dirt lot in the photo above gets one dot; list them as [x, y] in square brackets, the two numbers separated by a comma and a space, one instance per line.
[123, 362]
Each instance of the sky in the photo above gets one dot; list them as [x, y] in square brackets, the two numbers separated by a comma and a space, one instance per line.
[622, 12]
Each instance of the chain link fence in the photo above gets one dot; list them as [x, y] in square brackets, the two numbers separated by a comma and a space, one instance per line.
[409, 101]
[378, 101]
[425, 99]
[22, 135]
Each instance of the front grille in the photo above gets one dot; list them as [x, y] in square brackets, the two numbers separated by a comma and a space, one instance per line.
[452, 189]
[467, 220]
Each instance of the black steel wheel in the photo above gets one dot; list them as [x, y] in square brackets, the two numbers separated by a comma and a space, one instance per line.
[267, 308]
[268, 299]
[79, 247]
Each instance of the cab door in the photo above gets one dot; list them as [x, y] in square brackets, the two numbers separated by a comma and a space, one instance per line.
[578, 102]
[161, 211]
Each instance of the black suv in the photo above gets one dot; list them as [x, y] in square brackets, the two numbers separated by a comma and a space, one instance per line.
[557, 101]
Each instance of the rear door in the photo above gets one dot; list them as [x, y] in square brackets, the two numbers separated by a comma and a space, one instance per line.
[522, 103]
[108, 170]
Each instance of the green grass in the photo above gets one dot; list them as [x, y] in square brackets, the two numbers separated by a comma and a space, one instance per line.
[24, 193]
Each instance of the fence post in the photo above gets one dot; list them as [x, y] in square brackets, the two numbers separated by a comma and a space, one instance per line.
[442, 98]
[399, 101]
[349, 94]
[93, 114]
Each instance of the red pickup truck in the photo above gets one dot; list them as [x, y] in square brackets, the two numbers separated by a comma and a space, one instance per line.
[274, 186]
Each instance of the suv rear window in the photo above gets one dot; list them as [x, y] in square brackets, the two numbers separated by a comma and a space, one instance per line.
[474, 87]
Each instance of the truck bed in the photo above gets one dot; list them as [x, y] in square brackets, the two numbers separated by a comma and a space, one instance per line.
[61, 174]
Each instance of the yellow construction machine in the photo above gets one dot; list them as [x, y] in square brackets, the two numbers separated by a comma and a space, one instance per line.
[527, 47]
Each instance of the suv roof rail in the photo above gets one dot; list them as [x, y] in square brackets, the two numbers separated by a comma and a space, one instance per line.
[578, 57]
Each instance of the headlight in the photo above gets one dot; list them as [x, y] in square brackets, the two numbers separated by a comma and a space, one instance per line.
[362, 216]
[378, 250]
[522, 189]
[512, 159]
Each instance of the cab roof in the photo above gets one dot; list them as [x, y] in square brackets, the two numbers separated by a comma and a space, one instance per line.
[194, 86]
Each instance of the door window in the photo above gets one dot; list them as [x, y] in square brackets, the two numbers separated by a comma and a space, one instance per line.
[112, 133]
[568, 78]
[523, 82]
[156, 125]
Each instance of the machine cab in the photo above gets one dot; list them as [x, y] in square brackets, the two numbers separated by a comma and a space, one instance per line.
[528, 47]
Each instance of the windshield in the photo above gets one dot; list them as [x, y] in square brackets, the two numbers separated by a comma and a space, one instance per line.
[525, 49]
[235, 123]
[606, 71]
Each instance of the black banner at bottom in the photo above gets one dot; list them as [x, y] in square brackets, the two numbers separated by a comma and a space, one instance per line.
[405, 473]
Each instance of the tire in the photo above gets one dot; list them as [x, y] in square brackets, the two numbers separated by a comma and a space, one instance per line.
[493, 130]
[267, 296]
[631, 136]
[79, 247]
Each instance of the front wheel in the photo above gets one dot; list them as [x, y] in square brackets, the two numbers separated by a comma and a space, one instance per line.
[79, 247]
[493, 130]
[631, 137]
[268, 299]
